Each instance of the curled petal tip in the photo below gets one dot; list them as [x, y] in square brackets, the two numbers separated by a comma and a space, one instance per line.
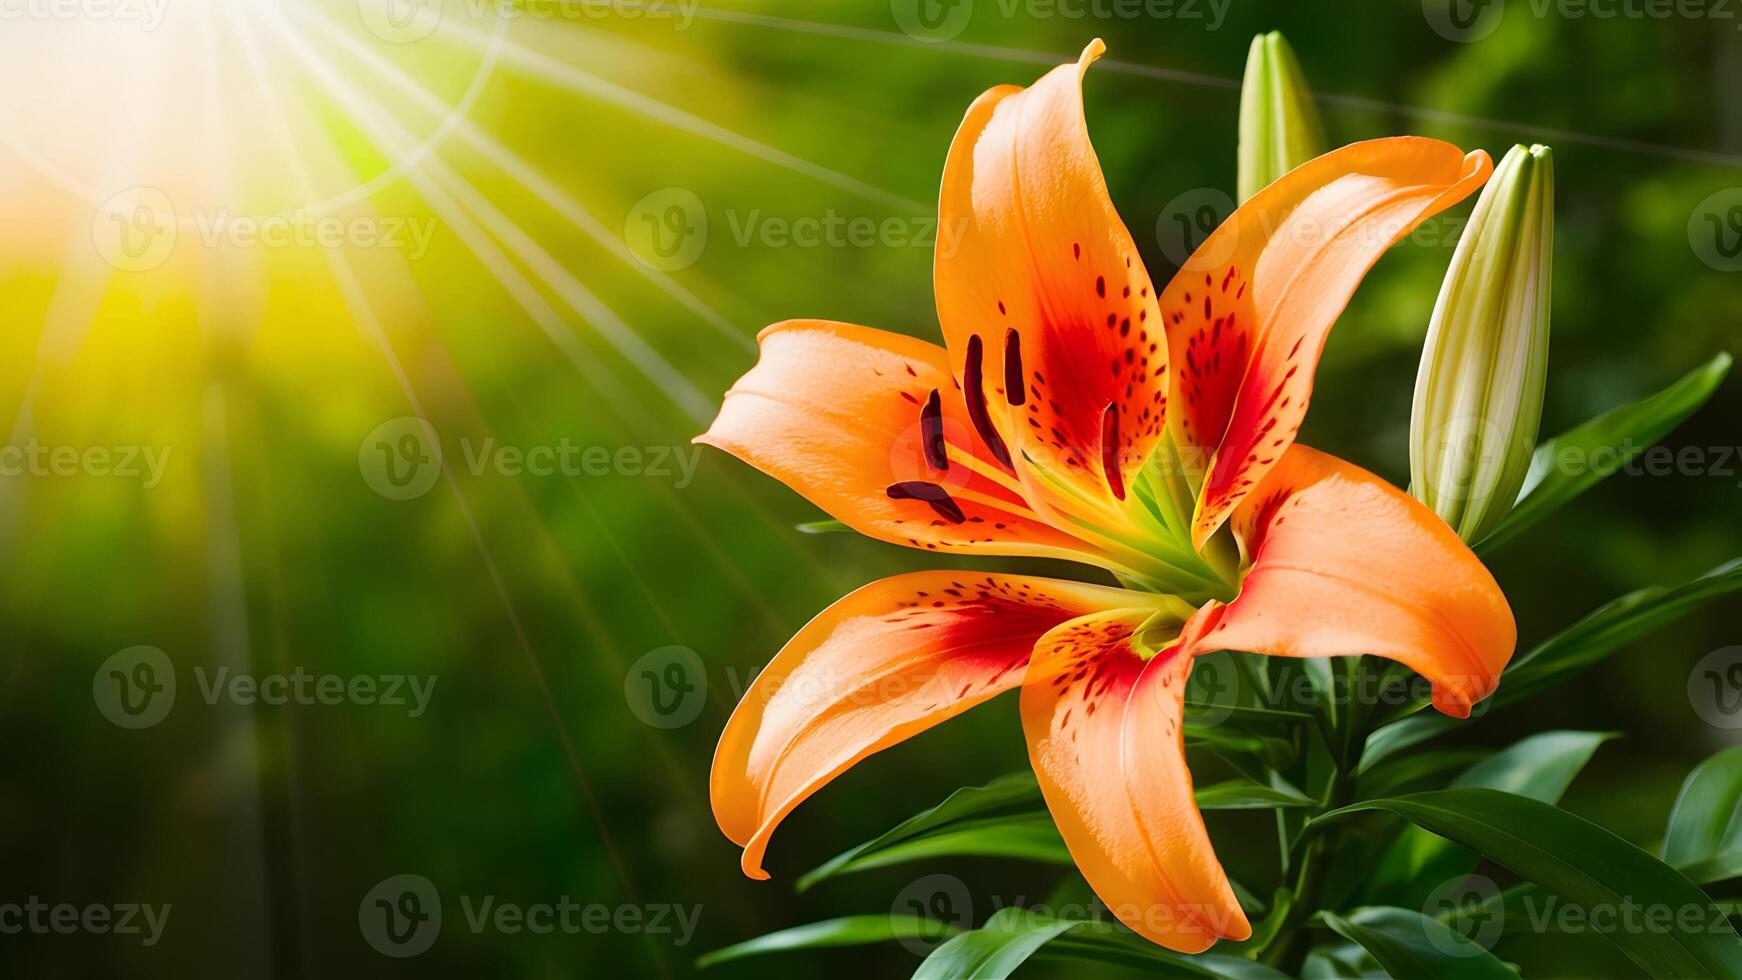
[1092, 52]
[751, 862]
[1477, 163]
[1452, 705]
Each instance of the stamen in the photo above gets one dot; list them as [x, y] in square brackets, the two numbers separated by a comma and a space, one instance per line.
[931, 493]
[1110, 450]
[1013, 368]
[931, 429]
[976, 395]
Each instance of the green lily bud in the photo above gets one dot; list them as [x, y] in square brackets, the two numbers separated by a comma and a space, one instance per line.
[1279, 125]
[1478, 395]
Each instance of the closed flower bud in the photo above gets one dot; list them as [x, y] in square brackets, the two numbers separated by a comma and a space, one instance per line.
[1279, 125]
[1478, 395]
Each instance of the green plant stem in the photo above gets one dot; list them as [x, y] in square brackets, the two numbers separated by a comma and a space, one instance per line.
[1305, 860]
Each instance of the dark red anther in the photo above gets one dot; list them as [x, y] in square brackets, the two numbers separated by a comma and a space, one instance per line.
[1110, 451]
[975, 392]
[1013, 368]
[931, 430]
[931, 493]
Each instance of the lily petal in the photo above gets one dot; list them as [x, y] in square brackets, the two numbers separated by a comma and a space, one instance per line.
[1345, 563]
[1045, 306]
[1248, 314]
[881, 665]
[1104, 737]
[857, 420]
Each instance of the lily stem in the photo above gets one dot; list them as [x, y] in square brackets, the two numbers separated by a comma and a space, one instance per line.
[1304, 861]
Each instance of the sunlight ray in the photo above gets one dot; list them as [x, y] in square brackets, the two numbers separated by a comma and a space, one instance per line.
[543, 187]
[545, 317]
[450, 186]
[998, 52]
[393, 138]
[363, 314]
[495, 261]
[553, 195]
[584, 83]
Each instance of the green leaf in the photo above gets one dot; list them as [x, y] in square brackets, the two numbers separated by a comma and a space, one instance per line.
[1574, 461]
[1244, 794]
[1030, 837]
[1326, 963]
[1393, 776]
[1004, 818]
[1007, 940]
[1705, 825]
[1008, 818]
[1605, 630]
[1013, 935]
[1582, 863]
[823, 527]
[853, 930]
[1722, 867]
[1409, 944]
[1610, 627]
[1539, 767]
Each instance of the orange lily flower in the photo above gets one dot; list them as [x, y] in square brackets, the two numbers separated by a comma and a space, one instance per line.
[1075, 413]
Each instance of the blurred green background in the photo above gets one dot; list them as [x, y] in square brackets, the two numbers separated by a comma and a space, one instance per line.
[540, 603]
